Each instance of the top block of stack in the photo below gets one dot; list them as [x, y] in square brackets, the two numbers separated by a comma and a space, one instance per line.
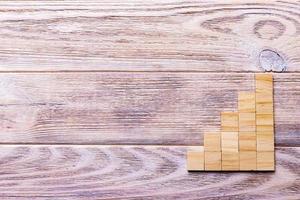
[264, 93]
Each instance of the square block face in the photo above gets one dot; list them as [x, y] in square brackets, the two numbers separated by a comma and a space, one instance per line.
[247, 122]
[212, 141]
[230, 141]
[265, 141]
[265, 119]
[248, 160]
[264, 88]
[246, 102]
[230, 161]
[247, 141]
[229, 121]
[262, 128]
[195, 160]
[266, 161]
[264, 108]
[264, 81]
[212, 161]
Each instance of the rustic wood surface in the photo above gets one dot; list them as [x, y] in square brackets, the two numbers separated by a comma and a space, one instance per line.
[132, 108]
[81, 81]
[134, 172]
[157, 35]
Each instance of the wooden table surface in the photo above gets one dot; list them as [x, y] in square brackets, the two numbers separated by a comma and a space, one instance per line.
[100, 99]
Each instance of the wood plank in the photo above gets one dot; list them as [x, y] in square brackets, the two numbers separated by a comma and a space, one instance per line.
[134, 172]
[132, 108]
[149, 35]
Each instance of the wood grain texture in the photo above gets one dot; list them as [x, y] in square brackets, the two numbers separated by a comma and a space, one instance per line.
[149, 35]
[134, 172]
[132, 108]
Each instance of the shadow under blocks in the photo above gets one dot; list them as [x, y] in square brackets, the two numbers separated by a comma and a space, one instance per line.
[246, 139]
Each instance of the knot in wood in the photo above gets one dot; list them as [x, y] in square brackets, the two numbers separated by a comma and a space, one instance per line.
[271, 61]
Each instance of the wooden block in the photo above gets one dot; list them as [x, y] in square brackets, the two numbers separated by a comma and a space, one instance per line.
[213, 161]
[264, 108]
[229, 121]
[264, 88]
[195, 159]
[212, 141]
[247, 122]
[247, 141]
[246, 102]
[265, 141]
[230, 142]
[247, 160]
[264, 81]
[266, 161]
[265, 119]
[230, 161]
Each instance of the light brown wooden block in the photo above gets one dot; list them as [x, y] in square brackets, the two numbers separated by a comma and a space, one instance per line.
[230, 161]
[264, 82]
[213, 161]
[195, 159]
[265, 119]
[247, 122]
[247, 141]
[212, 141]
[264, 88]
[264, 108]
[229, 121]
[247, 160]
[230, 142]
[246, 102]
[265, 141]
[266, 161]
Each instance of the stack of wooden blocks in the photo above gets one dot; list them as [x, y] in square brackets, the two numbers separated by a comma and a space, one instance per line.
[246, 139]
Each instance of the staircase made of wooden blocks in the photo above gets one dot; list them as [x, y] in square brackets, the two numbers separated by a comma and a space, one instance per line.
[246, 139]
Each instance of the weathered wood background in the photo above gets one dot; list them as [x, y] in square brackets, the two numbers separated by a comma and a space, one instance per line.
[100, 99]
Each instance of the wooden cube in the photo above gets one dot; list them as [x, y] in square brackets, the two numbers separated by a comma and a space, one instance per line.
[246, 102]
[266, 161]
[229, 121]
[264, 88]
[264, 108]
[265, 141]
[195, 159]
[247, 122]
[264, 119]
[212, 141]
[247, 160]
[247, 141]
[230, 161]
[230, 142]
[212, 161]
[264, 81]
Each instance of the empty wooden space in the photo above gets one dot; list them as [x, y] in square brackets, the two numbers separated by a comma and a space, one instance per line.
[101, 99]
